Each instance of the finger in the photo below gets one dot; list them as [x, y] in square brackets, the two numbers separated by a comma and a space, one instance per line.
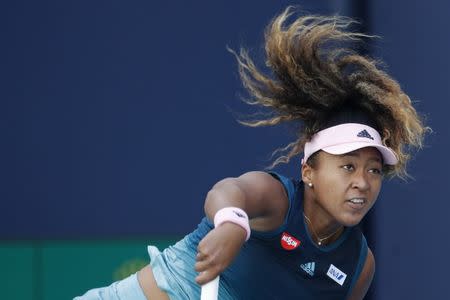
[200, 256]
[206, 276]
[204, 264]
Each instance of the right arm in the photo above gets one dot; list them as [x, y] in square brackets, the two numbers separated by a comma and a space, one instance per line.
[264, 200]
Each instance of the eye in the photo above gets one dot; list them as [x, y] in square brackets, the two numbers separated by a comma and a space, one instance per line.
[376, 171]
[348, 167]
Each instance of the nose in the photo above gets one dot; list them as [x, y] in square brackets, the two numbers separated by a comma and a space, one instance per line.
[360, 181]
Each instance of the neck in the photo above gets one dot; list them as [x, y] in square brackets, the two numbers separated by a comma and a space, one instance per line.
[321, 224]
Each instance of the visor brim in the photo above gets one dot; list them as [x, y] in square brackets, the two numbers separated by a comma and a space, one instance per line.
[389, 157]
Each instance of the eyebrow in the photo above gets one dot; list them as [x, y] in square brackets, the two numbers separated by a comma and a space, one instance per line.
[356, 154]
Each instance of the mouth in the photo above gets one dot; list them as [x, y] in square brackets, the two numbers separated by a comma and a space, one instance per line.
[357, 203]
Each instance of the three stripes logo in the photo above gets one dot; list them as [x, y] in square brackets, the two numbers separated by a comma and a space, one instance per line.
[365, 134]
[309, 268]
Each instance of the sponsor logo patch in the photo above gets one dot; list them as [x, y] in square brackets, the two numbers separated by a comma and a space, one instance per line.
[336, 274]
[309, 268]
[289, 242]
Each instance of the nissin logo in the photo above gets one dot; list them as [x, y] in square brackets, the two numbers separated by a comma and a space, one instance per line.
[336, 274]
[289, 242]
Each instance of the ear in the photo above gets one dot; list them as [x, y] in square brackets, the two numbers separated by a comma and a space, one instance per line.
[307, 173]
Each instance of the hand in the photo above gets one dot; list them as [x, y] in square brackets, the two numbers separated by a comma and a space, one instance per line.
[217, 250]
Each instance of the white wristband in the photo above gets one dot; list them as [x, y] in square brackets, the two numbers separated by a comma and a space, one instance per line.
[234, 215]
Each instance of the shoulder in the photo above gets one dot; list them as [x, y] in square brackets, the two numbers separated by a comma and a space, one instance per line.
[365, 278]
[269, 192]
[260, 182]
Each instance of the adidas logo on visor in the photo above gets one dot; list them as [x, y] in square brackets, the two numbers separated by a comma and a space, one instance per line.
[365, 134]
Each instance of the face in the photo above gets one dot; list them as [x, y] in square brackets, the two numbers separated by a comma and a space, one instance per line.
[345, 186]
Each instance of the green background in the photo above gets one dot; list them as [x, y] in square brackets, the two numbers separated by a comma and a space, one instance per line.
[56, 270]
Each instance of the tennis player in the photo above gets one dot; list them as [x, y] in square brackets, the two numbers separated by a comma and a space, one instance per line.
[271, 237]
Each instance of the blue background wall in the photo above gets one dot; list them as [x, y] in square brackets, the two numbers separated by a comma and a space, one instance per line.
[110, 104]
[412, 219]
[117, 117]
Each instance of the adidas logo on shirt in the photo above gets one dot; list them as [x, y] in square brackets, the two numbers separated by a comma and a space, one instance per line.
[309, 268]
[365, 134]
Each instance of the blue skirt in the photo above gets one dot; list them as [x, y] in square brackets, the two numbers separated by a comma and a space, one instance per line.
[127, 288]
[174, 272]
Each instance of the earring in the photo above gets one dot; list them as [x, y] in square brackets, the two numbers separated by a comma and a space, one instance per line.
[310, 184]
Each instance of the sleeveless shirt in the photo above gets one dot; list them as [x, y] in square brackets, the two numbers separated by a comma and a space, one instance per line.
[287, 264]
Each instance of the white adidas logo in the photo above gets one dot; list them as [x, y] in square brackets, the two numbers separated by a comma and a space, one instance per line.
[309, 268]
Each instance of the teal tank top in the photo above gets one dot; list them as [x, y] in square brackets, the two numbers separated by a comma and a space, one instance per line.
[287, 264]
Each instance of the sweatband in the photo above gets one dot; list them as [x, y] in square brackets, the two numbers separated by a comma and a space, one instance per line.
[234, 215]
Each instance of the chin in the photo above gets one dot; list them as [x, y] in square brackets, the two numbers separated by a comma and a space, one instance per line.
[351, 220]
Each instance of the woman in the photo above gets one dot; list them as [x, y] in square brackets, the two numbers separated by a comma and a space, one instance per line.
[277, 238]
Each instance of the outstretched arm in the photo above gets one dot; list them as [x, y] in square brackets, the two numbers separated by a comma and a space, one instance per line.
[264, 200]
[259, 194]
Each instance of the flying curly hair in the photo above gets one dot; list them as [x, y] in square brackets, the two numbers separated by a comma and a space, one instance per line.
[312, 74]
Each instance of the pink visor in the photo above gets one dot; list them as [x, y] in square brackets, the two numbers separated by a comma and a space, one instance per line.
[344, 138]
